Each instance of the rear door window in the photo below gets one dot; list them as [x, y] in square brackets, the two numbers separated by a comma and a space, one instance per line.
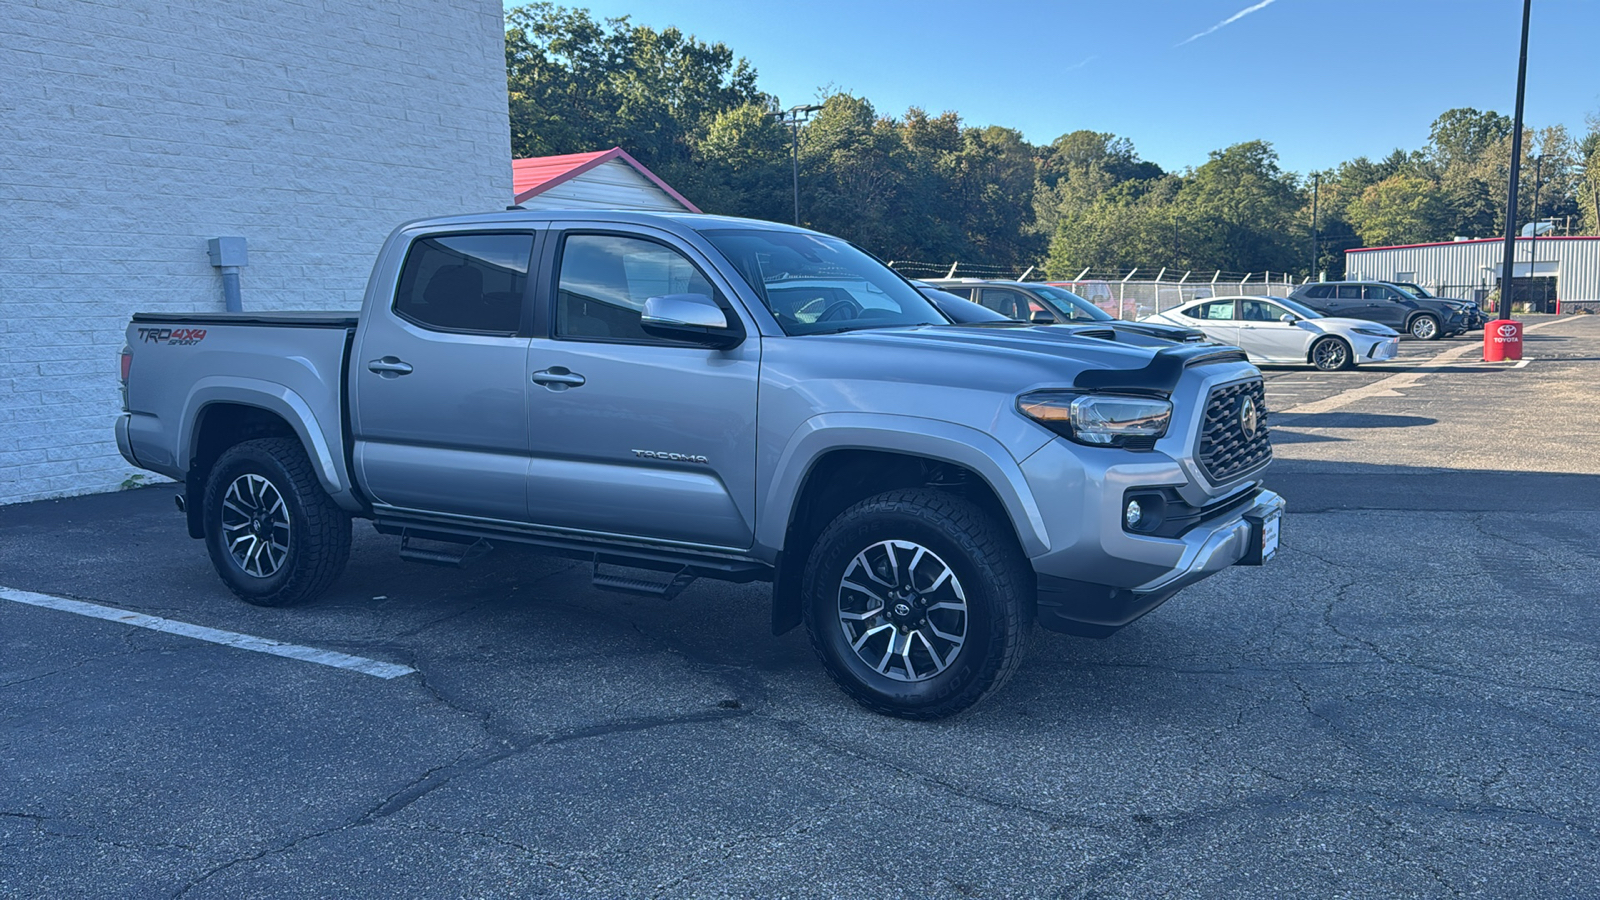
[465, 282]
[1220, 310]
[1349, 292]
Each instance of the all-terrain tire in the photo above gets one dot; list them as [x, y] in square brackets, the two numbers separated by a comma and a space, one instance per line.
[263, 495]
[986, 570]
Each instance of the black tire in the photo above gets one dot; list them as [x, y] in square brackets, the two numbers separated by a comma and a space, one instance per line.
[1331, 354]
[985, 565]
[292, 505]
[1425, 328]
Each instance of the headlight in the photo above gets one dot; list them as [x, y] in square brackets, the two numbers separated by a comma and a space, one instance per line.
[1101, 420]
[1375, 332]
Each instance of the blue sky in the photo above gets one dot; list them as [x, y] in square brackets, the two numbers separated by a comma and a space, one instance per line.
[1323, 80]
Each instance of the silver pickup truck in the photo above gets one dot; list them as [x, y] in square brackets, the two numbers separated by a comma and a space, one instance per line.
[677, 396]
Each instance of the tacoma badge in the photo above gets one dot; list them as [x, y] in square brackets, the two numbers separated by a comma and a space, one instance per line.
[674, 457]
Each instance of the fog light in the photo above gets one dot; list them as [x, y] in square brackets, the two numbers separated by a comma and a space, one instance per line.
[1133, 514]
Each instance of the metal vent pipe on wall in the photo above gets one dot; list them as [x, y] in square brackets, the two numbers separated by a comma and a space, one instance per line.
[228, 254]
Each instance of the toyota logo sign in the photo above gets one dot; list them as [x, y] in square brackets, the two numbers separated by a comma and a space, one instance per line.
[1249, 419]
[1508, 330]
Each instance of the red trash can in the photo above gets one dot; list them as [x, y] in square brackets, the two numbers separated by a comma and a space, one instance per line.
[1502, 340]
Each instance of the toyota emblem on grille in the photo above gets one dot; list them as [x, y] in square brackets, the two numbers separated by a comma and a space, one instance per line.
[1508, 331]
[1249, 419]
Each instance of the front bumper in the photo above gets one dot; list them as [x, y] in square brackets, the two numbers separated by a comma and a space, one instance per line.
[1377, 349]
[1092, 609]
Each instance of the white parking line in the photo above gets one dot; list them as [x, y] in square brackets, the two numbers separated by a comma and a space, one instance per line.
[201, 633]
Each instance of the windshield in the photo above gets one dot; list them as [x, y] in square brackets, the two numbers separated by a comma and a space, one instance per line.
[814, 284]
[1069, 306]
[1296, 307]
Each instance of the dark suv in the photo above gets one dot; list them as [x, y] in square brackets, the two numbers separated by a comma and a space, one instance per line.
[1476, 317]
[1386, 304]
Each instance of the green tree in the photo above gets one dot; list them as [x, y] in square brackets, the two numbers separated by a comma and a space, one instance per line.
[1244, 210]
[576, 84]
[1401, 209]
[745, 165]
[1460, 137]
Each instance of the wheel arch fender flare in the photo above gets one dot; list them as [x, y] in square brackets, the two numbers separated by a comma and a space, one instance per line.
[287, 405]
[931, 439]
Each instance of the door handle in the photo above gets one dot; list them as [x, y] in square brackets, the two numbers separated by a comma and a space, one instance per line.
[558, 378]
[389, 367]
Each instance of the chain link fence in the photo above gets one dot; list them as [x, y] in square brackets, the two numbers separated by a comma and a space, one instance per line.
[1125, 293]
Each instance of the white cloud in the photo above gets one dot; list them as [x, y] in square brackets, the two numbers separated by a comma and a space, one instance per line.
[1225, 22]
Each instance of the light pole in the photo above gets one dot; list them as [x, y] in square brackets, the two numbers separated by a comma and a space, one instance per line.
[1533, 242]
[1516, 170]
[794, 116]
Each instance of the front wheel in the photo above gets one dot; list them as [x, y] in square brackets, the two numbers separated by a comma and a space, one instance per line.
[918, 603]
[274, 535]
[1425, 328]
[1331, 354]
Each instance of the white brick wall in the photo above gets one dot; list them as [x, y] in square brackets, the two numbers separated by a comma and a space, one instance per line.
[131, 131]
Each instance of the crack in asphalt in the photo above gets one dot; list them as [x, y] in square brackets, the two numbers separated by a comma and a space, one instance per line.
[438, 777]
[803, 732]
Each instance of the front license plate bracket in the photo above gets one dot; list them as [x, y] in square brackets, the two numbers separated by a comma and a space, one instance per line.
[1264, 531]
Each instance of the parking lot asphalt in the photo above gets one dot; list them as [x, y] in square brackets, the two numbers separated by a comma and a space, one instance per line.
[1403, 703]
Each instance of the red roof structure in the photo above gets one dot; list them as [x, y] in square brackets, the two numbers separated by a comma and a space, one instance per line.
[534, 175]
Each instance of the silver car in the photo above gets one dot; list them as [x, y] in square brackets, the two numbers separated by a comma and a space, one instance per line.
[1280, 330]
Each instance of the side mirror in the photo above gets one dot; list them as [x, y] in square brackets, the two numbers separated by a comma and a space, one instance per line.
[1288, 318]
[1041, 317]
[695, 318]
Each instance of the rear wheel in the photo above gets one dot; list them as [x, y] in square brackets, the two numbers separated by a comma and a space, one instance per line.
[1330, 354]
[274, 535]
[918, 603]
[1425, 328]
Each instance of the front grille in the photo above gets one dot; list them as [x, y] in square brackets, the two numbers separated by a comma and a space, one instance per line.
[1226, 452]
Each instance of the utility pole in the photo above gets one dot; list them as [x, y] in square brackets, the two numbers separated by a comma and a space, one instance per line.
[1516, 171]
[1533, 242]
[794, 116]
[1316, 187]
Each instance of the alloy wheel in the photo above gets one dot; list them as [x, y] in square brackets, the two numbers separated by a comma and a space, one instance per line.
[1330, 355]
[255, 525]
[903, 610]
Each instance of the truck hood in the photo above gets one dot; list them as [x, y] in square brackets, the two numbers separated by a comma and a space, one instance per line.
[1087, 356]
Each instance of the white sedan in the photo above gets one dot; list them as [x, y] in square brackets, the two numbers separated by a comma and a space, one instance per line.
[1279, 330]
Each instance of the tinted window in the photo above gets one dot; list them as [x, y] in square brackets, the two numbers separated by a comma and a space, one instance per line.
[1320, 292]
[605, 280]
[1220, 310]
[1012, 304]
[964, 293]
[1379, 292]
[1262, 311]
[1349, 292]
[465, 282]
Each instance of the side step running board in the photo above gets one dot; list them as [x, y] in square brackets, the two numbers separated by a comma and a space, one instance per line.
[457, 556]
[664, 590]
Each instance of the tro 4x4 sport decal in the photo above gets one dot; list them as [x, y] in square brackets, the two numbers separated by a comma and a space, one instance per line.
[181, 337]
